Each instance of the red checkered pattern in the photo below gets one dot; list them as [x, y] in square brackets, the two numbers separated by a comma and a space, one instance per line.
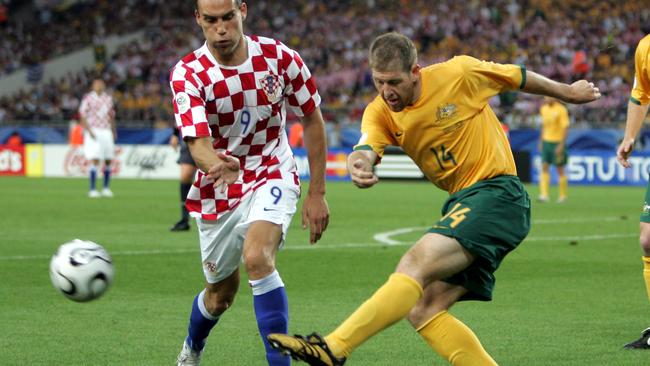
[243, 109]
[97, 109]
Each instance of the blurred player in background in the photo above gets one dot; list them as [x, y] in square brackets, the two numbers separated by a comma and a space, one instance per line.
[229, 103]
[552, 146]
[97, 116]
[188, 171]
[440, 116]
[637, 108]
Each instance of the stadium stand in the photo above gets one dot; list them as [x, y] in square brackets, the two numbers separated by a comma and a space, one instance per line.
[564, 40]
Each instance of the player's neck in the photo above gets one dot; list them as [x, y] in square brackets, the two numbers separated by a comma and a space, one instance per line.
[417, 92]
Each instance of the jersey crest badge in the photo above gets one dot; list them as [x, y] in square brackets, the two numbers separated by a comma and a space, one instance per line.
[271, 86]
[446, 111]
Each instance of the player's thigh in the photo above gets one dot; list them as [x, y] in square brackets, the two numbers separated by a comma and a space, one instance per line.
[107, 144]
[489, 219]
[221, 243]
[434, 257]
[272, 208]
[275, 202]
[561, 159]
[548, 152]
[91, 147]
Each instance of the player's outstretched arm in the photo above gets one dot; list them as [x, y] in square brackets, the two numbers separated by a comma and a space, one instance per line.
[315, 212]
[223, 169]
[360, 165]
[582, 91]
[635, 116]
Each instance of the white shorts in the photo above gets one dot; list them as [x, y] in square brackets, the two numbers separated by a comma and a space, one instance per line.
[222, 240]
[102, 147]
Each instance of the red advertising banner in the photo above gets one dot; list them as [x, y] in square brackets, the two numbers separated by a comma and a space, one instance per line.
[12, 160]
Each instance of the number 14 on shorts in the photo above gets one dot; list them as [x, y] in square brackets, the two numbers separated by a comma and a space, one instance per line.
[456, 215]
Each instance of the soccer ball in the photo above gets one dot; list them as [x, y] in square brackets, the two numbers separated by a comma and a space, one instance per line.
[81, 270]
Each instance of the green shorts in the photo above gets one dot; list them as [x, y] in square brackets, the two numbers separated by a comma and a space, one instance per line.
[645, 214]
[489, 219]
[550, 157]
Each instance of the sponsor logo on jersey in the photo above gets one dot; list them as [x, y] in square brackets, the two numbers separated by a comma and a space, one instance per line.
[446, 111]
[271, 85]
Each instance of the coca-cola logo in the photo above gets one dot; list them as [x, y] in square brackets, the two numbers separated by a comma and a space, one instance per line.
[75, 163]
[11, 161]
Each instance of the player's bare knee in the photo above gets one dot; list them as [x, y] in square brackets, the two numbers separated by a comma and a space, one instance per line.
[644, 240]
[410, 265]
[258, 264]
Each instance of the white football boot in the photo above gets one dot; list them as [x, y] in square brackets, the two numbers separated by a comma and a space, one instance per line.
[188, 356]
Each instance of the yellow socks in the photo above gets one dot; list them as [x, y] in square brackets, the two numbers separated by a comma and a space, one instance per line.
[564, 187]
[544, 182]
[454, 341]
[389, 304]
[646, 274]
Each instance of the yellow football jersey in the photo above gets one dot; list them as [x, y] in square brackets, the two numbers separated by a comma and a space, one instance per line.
[450, 132]
[555, 120]
[641, 89]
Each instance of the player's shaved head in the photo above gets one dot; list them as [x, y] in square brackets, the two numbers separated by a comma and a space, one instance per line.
[237, 3]
[392, 51]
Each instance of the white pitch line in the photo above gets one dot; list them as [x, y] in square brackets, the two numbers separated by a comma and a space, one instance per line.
[575, 221]
[385, 237]
[196, 250]
[390, 242]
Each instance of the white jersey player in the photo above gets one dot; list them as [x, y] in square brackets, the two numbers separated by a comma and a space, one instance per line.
[97, 116]
[230, 99]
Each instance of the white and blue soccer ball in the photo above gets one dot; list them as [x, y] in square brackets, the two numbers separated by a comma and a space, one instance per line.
[81, 270]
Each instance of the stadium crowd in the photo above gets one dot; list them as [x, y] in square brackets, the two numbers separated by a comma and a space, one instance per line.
[565, 40]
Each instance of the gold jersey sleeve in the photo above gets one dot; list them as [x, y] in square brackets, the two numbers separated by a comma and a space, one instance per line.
[450, 132]
[555, 121]
[641, 89]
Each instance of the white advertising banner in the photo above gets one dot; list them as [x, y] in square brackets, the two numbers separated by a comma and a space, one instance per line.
[131, 161]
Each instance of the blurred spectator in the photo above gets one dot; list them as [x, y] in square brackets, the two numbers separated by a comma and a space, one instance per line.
[76, 134]
[564, 40]
[295, 135]
[14, 140]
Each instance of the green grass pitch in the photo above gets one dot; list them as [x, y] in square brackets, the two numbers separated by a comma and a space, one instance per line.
[571, 294]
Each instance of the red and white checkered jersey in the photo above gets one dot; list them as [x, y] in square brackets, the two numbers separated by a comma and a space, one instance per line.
[243, 109]
[97, 109]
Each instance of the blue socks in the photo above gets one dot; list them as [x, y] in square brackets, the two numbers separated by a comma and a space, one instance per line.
[93, 177]
[272, 313]
[201, 322]
[107, 176]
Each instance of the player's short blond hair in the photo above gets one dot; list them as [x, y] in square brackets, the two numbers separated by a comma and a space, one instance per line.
[392, 51]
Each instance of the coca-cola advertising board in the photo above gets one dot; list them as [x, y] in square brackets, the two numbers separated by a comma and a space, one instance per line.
[12, 160]
[130, 161]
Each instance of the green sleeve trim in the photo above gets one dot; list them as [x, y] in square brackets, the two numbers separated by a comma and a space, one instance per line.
[523, 77]
[363, 147]
[635, 101]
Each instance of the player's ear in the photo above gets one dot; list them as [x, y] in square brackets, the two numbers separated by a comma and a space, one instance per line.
[244, 10]
[197, 17]
[415, 70]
